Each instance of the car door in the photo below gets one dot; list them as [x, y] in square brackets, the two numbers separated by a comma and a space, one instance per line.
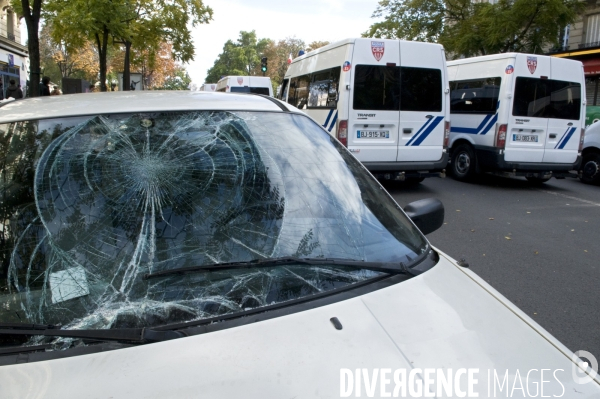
[527, 131]
[422, 109]
[565, 122]
[373, 119]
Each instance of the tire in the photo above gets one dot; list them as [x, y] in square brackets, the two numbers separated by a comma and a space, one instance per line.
[590, 169]
[463, 162]
[537, 180]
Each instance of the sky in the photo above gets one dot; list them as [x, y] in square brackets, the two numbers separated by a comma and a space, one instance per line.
[308, 20]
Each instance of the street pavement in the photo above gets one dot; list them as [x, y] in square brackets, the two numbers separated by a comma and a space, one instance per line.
[537, 245]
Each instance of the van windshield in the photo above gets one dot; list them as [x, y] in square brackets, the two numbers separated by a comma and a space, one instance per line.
[90, 205]
[547, 98]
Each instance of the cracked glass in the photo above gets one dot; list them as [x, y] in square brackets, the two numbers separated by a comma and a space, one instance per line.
[90, 205]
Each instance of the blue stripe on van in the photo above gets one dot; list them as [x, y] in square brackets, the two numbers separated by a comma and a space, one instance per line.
[565, 138]
[419, 132]
[427, 131]
[333, 121]
[327, 120]
[489, 125]
[469, 130]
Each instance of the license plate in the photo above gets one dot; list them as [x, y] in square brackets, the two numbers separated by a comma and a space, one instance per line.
[526, 138]
[373, 134]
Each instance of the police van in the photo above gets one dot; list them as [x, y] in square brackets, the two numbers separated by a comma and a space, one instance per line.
[208, 87]
[245, 84]
[386, 100]
[516, 115]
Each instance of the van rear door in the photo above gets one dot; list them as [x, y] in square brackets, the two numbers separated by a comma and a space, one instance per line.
[565, 122]
[527, 131]
[374, 115]
[422, 105]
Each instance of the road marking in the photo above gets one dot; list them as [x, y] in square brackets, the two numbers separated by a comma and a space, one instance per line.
[570, 197]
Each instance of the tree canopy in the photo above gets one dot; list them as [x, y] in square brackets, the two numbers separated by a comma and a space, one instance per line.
[141, 23]
[468, 28]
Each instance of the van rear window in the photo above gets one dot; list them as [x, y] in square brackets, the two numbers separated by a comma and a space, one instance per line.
[475, 96]
[547, 98]
[256, 90]
[393, 88]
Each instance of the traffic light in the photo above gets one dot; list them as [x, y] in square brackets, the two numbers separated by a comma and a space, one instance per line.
[263, 64]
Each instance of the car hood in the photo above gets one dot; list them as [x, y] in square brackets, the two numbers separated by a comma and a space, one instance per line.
[446, 319]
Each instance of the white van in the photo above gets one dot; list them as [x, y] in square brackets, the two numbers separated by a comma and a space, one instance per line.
[246, 84]
[590, 164]
[386, 100]
[516, 115]
[208, 87]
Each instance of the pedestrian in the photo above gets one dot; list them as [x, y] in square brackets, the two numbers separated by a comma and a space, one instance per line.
[45, 91]
[1, 91]
[55, 92]
[14, 91]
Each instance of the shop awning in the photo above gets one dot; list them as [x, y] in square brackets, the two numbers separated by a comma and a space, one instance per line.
[591, 66]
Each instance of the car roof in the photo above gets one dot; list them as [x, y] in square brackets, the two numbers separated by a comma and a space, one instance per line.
[133, 101]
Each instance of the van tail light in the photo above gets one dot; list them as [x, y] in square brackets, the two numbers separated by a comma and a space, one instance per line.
[342, 132]
[581, 139]
[446, 134]
[501, 136]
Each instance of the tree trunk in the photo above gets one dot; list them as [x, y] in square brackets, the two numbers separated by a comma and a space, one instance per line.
[32, 19]
[127, 67]
[102, 44]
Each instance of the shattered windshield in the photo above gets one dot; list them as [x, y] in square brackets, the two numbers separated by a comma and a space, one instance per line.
[90, 205]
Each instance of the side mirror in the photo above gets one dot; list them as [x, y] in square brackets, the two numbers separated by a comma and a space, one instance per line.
[427, 214]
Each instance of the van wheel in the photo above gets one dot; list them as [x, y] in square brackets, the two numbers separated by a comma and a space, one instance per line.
[590, 169]
[463, 162]
[537, 180]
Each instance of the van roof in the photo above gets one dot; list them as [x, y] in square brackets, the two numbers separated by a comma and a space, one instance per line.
[493, 57]
[131, 101]
[351, 41]
[259, 78]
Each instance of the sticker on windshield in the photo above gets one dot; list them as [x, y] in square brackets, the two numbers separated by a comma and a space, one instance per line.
[509, 69]
[68, 284]
[378, 48]
[346, 67]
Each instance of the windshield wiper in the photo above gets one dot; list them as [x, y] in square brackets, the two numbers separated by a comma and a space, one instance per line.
[135, 335]
[383, 267]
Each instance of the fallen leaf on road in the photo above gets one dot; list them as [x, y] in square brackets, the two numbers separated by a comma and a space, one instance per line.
[536, 252]
[491, 218]
[528, 212]
[472, 230]
[507, 237]
[458, 210]
[572, 229]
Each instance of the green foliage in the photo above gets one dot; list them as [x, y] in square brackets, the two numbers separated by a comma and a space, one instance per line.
[467, 28]
[143, 24]
[179, 81]
[239, 58]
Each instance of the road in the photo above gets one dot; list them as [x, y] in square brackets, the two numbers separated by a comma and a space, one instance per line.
[538, 246]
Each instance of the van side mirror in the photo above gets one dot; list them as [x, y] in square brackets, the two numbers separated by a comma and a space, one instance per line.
[427, 214]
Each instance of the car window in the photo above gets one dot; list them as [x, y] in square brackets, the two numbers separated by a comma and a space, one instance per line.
[90, 205]
[547, 98]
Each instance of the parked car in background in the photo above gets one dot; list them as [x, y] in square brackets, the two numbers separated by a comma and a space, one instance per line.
[590, 165]
[207, 245]
[516, 115]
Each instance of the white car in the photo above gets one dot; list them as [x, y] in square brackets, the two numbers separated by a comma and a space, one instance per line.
[590, 165]
[208, 245]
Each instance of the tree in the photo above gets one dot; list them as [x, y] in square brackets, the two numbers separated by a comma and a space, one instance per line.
[142, 23]
[32, 12]
[467, 28]
[180, 80]
[152, 22]
[316, 44]
[239, 58]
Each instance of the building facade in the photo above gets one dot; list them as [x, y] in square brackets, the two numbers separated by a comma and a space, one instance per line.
[14, 60]
[581, 41]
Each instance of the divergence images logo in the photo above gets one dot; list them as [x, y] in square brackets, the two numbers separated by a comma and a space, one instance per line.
[378, 48]
[584, 360]
[532, 64]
